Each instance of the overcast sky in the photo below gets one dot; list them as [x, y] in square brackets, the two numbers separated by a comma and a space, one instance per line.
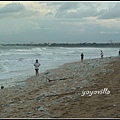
[59, 22]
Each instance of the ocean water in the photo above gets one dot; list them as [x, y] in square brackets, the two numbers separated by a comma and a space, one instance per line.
[16, 62]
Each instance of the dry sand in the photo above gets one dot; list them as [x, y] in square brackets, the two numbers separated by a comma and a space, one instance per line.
[57, 93]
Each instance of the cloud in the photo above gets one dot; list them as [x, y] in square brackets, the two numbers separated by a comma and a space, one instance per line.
[112, 13]
[79, 10]
[19, 10]
[49, 13]
[84, 13]
[114, 32]
[12, 7]
[57, 21]
[67, 6]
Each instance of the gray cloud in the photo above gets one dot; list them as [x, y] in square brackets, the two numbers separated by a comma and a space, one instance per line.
[67, 6]
[16, 10]
[112, 13]
[86, 13]
[52, 3]
[64, 7]
[12, 7]
[79, 10]
[49, 13]
[37, 22]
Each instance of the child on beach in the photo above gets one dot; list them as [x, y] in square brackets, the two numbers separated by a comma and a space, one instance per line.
[36, 64]
[101, 54]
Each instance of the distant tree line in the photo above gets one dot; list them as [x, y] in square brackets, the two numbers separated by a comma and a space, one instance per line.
[68, 44]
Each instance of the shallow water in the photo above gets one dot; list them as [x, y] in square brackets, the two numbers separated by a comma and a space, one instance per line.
[16, 62]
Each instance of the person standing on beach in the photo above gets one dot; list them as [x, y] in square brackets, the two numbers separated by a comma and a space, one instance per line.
[101, 54]
[119, 52]
[82, 56]
[37, 64]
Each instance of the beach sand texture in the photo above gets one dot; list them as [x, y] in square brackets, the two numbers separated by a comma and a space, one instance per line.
[57, 93]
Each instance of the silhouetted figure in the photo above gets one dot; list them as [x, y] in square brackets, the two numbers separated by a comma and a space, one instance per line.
[82, 56]
[119, 52]
[101, 54]
[2, 87]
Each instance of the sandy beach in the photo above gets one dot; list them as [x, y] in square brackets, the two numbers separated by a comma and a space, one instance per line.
[83, 89]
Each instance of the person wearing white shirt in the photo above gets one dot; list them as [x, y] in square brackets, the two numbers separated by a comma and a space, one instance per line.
[37, 64]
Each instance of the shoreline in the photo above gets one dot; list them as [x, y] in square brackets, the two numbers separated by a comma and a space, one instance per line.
[49, 95]
[15, 80]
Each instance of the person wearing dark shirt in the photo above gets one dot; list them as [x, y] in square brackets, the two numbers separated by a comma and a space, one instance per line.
[82, 56]
[101, 54]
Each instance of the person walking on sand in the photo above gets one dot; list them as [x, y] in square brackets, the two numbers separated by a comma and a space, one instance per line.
[101, 54]
[37, 64]
[82, 56]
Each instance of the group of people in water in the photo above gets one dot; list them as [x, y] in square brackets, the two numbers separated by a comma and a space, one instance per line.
[37, 64]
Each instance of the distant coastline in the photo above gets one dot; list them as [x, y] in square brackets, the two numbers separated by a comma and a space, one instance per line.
[66, 44]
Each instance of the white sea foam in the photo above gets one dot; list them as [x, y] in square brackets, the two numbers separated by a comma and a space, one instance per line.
[18, 60]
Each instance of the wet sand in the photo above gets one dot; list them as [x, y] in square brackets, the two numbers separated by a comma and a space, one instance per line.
[59, 93]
